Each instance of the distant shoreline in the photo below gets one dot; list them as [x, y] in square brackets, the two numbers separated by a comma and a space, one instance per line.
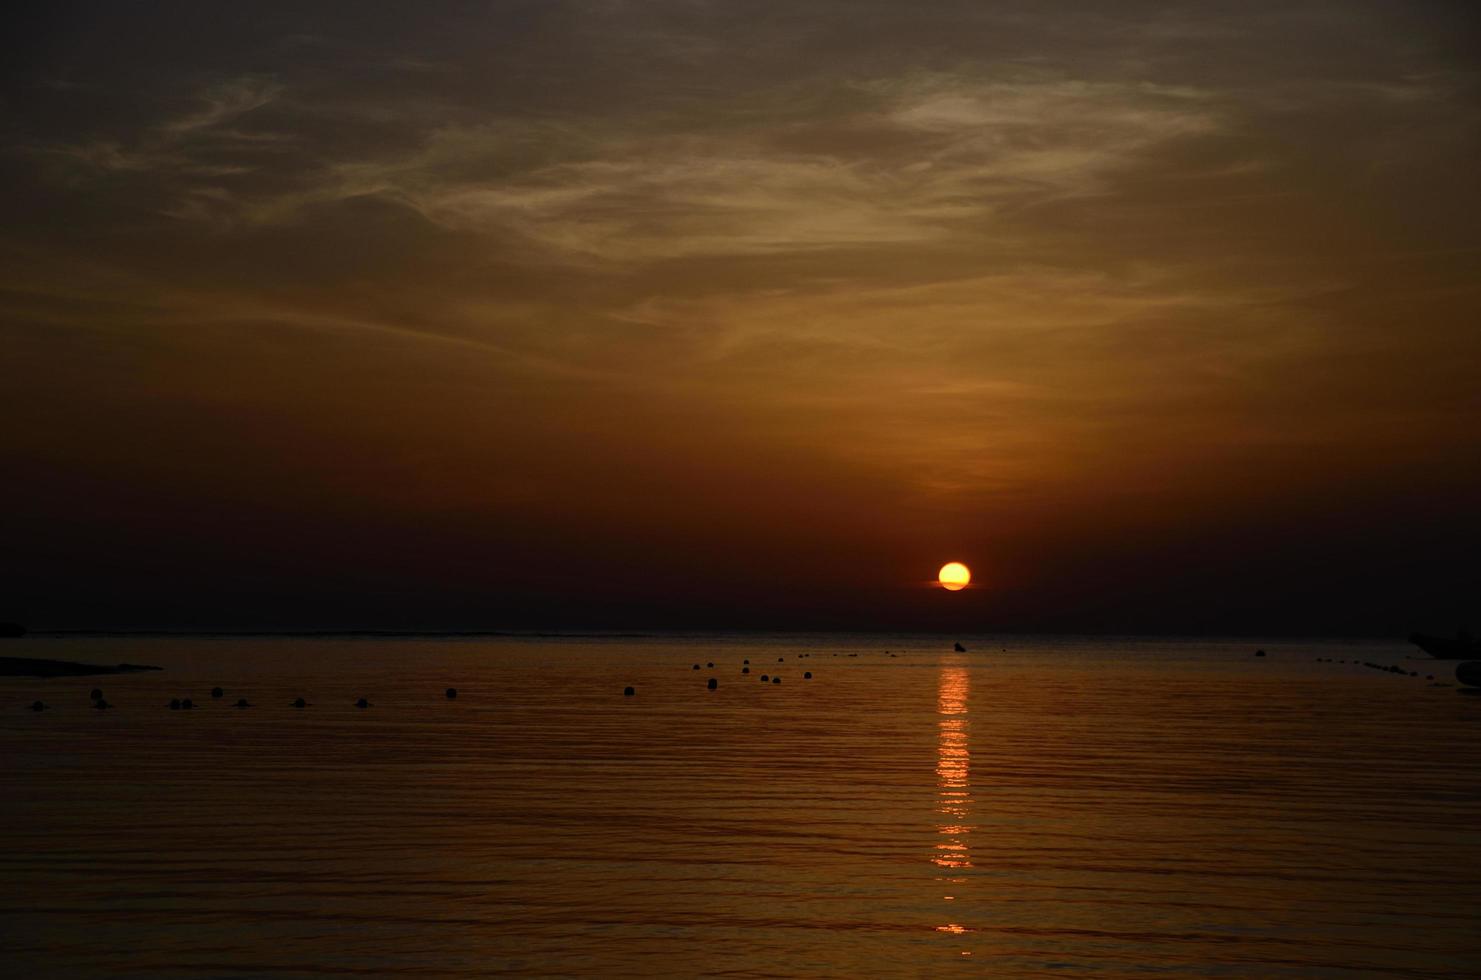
[701, 633]
[34, 667]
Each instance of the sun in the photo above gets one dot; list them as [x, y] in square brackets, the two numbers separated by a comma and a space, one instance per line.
[954, 576]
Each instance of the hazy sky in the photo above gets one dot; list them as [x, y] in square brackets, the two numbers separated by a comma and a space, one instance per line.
[670, 314]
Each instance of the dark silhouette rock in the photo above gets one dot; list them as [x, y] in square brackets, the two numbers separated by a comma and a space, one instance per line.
[959, 648]
[38, 705]
[710, 664]
[713, 684]
[101, 705]
[1469, 673]
[186, 704]
[745, 662]
[765, 678]
[780, 659]
[1259, 653]
[97, 694]
[174, 704]
[242, 703]
[362, 703]
[1463, 647]
[217, 692]
[807, 675]
[745, 670]
[696, 666]
[452, 693]
[776, 680]
[628, 692]
[300, 703]
[11, 630]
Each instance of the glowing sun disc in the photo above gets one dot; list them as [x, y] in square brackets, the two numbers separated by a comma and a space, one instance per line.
[954, 576]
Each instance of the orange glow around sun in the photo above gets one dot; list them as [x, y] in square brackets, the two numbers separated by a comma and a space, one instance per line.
[954, 576]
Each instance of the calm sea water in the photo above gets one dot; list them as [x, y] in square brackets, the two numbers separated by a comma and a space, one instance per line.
[1030, 808]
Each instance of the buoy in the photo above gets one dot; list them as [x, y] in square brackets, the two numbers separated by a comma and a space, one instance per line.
[451, 693]
[628, 692]
[807, 675]
[714, 683]
[362, 703]
[217, 692]
[38, 705]
[97, 694]
[242, 703]
[300, 703]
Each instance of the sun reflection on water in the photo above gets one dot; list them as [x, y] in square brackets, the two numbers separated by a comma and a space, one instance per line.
[953, 784]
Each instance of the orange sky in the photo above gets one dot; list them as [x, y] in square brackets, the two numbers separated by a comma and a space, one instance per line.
[703, 314]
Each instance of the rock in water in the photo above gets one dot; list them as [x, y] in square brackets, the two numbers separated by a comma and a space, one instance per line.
[713, 684]
[959, 648]
[1469, 673]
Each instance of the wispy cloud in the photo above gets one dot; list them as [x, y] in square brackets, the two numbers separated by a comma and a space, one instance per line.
[952, 152]
[195, 144]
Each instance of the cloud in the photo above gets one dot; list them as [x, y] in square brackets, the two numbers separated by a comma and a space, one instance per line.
[190, 146]
[951, 152]
[223, 102]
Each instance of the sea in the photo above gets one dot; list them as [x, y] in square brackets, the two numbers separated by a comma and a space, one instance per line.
[1031, 807]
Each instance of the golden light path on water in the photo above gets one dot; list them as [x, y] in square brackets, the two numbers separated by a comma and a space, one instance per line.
[954, 785]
